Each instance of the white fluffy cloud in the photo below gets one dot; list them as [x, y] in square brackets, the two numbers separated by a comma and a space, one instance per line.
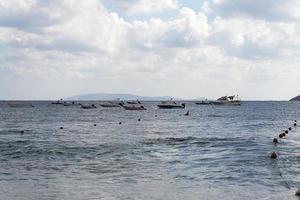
[133, 7]
[64, 41]
[279, 10]
[189, 29]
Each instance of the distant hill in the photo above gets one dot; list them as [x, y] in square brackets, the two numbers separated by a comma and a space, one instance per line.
[297, 98]
[107, 97]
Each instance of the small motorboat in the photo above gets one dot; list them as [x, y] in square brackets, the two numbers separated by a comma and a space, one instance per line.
[92, 106]
[204, 102]
[233, 100]
[171, 105]
[134, 102]
[110, 104]
[134, 107]
[58, 102]
[70, 104]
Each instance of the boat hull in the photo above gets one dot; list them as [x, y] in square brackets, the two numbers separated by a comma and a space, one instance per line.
[170, 106]
[109, 106]
[134, 107]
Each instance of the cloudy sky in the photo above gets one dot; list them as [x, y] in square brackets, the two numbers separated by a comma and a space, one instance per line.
[184, 48]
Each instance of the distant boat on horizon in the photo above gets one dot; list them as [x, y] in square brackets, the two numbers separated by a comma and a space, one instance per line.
[110, 104]
[92, 106]
[233, 100]
[170, 104]
[58, 102]
[132, 106]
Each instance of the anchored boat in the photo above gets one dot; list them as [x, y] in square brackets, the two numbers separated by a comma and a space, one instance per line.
[133, 107]
[170, 105]
[92, 106]
[110, 104]
[233, 100]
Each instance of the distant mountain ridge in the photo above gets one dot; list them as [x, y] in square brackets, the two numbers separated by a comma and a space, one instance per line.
[297, 98]
[107, 97]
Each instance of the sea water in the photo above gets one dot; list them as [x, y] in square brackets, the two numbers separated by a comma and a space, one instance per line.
[217, 152]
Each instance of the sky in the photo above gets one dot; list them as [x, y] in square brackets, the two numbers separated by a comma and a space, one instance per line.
[51, 49]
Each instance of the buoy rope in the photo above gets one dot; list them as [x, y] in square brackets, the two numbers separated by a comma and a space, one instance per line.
[280, 174]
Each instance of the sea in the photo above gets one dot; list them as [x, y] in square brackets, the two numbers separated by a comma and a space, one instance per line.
[50, 152]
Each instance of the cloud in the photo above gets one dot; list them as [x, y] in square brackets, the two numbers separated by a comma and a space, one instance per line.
[99, 50]
[134, 7]
[280, 10]
[187, 30]
[31, 15]
[253, 39]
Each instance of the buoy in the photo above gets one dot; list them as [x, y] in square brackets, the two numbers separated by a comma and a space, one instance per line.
[22, 132]
[120, 122]
[290, 128]
[295, 121]
[95, 124]
[61, 127]
[273, 155]
[286, 132]
[275, 141]
[283, 134]
[280, 135]
[295, 124]
[187, 114]
[155, 115]
[297, 192]
[139, 119]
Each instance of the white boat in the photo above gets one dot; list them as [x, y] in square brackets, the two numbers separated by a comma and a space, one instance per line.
[203, 102]
[110, 104]
[233, 100]
[134, 107]
[170, 105]
[134, 102]
[70, 104]
[58, 102]
[92, 106]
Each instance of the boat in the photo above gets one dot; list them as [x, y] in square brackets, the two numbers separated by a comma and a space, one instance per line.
[58, 102]
[170, 105]
[233, 100]
[134, 102]
[70, 104]
[92, 106]
[203, 102]
[134, 107]
[111, 104]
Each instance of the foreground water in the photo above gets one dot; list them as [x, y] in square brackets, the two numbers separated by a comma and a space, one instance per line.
[217, 152]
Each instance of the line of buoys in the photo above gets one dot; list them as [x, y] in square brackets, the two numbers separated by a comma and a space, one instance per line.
[281, 135]
[274, 154]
